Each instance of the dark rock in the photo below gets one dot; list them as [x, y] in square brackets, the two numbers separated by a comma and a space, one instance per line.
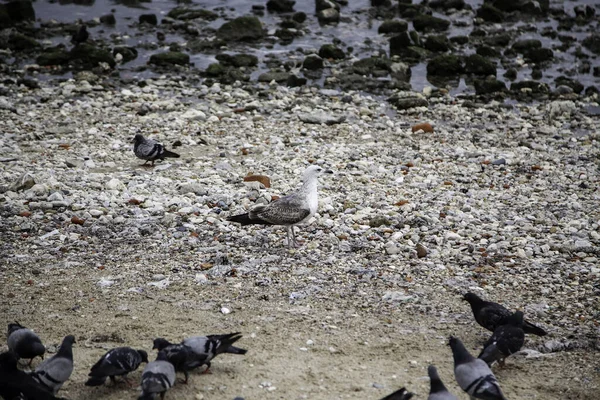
[572, 83]
[408, 10]
[502, 39]
[596, 71]
[202, 45]
[299, 17]
[53, 57]
[381, 3]
[281, 5]
[447, 4]
[148, 19]
[378, 221]
[215, 69]
[487, 86]
[406, 102]
[185, 14]
[331, 51]
[393, 26]
[16, 11]
[328, 16]
[487, 51]
[285, 35]
[246, 28]
[295, 81]
[88, 56]
[511, 74]
[28, 83]
[479, 65]
[536, 73]
[428, 23]
[592, 43]
[289, 23]
[238, 60]
[312, 62]
[445, 65]
[400, 71]
[524, 6]
[437, 43]
[108, 19]
[459, 39]
[490, 13]
[538, 55]
[128, 53]
[525, 45]
[399, 43]
[533, 86]
[80, 36]
[19, 42]
[321, 5]
[169, 58]
[277, 76]
[367, 66]
[591, 91]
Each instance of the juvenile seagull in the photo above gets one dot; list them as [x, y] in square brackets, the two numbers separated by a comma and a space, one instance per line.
[491, 315]
[506, 340]
[205, 348]
[16, 384]
[437, 389]
[293, 209]
[400, 394]
[150, 150]
[473, 375]
[158, 377]
[24, 343]
[181, 356]
[116, 362]
[55, 371]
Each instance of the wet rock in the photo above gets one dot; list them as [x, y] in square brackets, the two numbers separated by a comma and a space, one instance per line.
[53, 57]
[381, 3]
[88, 56]
[295, 81]
[479, 65]
[407, 100]
[572, 83]
[312, 62]
[524, 6]
[393, 26]
[437, 43]
[487, 51]
[331, 51]
[530, 86]
[202, 45]
[447, 4]
[19, 42]
[399, 43]
[538, 55]
[277, 76]
[186, 14]
[489, 13]
[488, 86]
[149, 19]
[445, 65]
[592, 43]
[16, 11]
[328, 16]
[536, 73]
[246, 28]
[527, 44]
[367, 66]
[299, 17]
[169, 58]
[428, 23]
[238, 60]
[128, 53]
[502, 39]
[215, 69]
[28, 83]
[400, 71]
[511, 74]
[321, 5]
[321, 117]
[108, 19]
[280, 5]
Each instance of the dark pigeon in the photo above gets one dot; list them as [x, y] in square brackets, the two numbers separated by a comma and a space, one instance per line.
[205, 348]
[506, 340]
[437, 390]
[55, 371]
[180, 355]
[24, 343]
[150, 150]
[400, 394]
[157, 378]
[491, 315]
[473, 375]
[16, 384]
[82, 35]
[116, 362]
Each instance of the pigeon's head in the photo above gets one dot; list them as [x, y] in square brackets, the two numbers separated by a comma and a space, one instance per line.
[144, 355]
[314, 171]
[138, 138]
[432, 372]
[14, 327]
[68, 340]
[472, 298]
[452, 341]
[162, 355]
[160, 344]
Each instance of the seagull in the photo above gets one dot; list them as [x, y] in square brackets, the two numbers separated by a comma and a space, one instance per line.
[294, 209]
[437, 389]
[116, 362]
[24, 343]
[491, 315]
[158, 377]
[400, 394]
[150, 150]
[506, 340]
[55, 371]
[16, 384]
[473, 375]
[205, 348]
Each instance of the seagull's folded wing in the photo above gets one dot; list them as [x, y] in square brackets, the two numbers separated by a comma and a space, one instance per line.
[285, 211]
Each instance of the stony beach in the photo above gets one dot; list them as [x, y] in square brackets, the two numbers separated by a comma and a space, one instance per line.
[433, 194]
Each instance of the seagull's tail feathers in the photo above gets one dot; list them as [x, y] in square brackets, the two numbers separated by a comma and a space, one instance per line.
[528, 327]
[167, 153]
[245, 219]
[95, 381]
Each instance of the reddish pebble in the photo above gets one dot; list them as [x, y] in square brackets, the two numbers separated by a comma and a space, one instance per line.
[265, 180]
[25, 214]
[425, 127]
[77, 220]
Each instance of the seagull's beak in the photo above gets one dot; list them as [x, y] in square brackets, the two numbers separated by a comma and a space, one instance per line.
[328, 171]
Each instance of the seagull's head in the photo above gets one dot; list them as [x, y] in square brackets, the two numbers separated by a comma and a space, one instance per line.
[314, 171]
[138, 138]
[144, 355]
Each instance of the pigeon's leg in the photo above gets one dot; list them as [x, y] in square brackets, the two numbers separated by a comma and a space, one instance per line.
[30, 361]
[206, 371]
[113, 380]
[162, 395]
[185, 381]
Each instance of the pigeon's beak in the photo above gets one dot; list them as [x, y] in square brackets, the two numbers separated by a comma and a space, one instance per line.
[154, 347]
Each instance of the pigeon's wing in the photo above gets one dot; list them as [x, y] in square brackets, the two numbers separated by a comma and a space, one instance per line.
[54, 371]
[287, 210]
[492, 315]
[158, 376]
[490, 353]
[477, 379]
[510, 340]
[118, 361]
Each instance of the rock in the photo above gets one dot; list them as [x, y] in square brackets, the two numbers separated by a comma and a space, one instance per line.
[19, 42]
[428, 23]
[502, 39]
[264, 179]
[115, 184]
[299, 17]
[572, 83]
[328, 16]
[487, 51]
[538, 55]
[488, 86]
[321, 5]
[437, 43]
[25, 182]
[246, 28]
[532, 86]
[524, 6]
[169, 58]
[186, 14]
[445, 65]
[281, 5]
[215, 69]
[378, 221]
[54, 57]
[366, 66]
[447, 4]
[405, 101]
[238, 60]
[401, 71]
[128, 53]
[489, 13]
[149, 19]
[421, 251]
[527, 44]
[560, 108]
[277, 76]
[592, 43]
[77, 221]
[295, 81]
[400, 43]
[479, 65]
[312, 62]
[16, 11]
[321, 117]
[425, 127]
[331, 51]
[393, 26]
[108, 19]
[88, 56]
[397, 297]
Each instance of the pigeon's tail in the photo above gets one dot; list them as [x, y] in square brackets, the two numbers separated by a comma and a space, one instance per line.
[96, 381]
[528, 327]
[400, 394]
[167, 153]
[226, 341]
[488, 354]
[235, 350]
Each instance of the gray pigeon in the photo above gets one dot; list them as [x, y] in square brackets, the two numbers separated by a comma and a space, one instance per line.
[55, 371]
[181, 356]
[506, 340]
[16, 384]
[205, 348]
[400, 394]
[24, 343]
[116, 362]
[158, 377]
[437, 389]
[150, 150]
[293, 209]
[473, 375]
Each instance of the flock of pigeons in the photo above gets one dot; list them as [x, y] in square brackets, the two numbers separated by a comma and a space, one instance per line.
[44, 382]
[474, 375]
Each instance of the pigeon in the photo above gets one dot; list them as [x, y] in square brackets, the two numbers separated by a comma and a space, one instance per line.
[400, 394]
[116, 362]
[158, 377]
[181, 356]
[150, 150]
[16, 384]
[24, 343]
[506, 340]
[80, 36]
[437, 389]
[55, 371]
[491, 315]
[289, 211]
[473, 375]
[205, 348]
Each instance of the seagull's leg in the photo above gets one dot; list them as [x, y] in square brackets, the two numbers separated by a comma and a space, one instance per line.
[294, 236]
[287, 229]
